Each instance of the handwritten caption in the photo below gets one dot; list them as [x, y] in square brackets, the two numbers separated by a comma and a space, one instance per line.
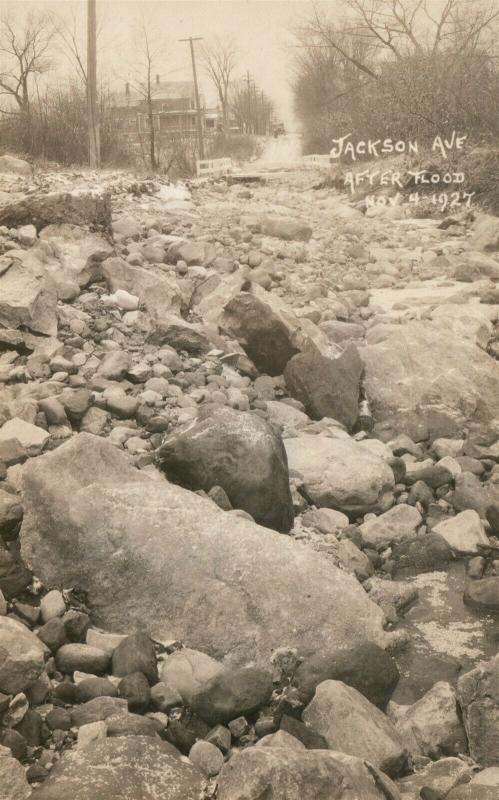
[448, 186]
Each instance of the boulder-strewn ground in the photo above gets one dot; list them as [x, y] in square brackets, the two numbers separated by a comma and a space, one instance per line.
[249, 440]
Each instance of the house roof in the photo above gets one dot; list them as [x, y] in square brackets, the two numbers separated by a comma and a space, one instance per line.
[165, 90]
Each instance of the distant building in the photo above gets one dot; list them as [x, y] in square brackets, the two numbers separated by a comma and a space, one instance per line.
[173, 107]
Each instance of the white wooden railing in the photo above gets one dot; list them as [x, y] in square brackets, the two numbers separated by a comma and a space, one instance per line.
[214, 167]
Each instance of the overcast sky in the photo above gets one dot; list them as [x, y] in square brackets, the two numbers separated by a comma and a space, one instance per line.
[263, 29]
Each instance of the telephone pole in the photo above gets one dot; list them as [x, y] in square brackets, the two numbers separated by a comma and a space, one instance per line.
[93, 111]
[191, 40]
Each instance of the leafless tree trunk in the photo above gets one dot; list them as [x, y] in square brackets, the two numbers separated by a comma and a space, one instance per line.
[24, 51]
[219, 61]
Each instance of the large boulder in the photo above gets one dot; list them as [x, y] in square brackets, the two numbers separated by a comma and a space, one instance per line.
[483, 594]
[240, 452]
[286, 228]
[263, 324]
[28, 296]
[175, 563]
[76, 207]
[341, 473]
[231, 694]
[154, 289]
[22, 656]
[15, 166]
[367, 667]
[80, 251]
[478, 696]
[398, 524]
[137, 767]
[464, 532]
[281, 773]
[352, 725]
[421, 380]
[12, 777]
[326, 387]
[431, 725]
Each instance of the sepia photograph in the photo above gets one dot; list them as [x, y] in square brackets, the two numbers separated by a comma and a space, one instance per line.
[249, 400]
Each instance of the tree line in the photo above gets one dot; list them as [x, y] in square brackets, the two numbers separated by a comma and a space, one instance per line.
[404, 69]
[42, 117]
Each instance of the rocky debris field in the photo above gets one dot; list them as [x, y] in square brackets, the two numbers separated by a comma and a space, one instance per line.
[249, 493]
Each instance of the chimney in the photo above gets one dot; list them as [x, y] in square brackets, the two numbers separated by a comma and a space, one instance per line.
[127, 89]
[157, 78]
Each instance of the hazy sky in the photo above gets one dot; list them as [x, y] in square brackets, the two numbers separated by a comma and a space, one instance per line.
[261, 27]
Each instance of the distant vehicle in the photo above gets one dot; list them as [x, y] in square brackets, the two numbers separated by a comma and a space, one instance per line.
[278, 129]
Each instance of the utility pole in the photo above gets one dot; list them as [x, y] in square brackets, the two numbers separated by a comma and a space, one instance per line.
[191, 41]
[93, 111]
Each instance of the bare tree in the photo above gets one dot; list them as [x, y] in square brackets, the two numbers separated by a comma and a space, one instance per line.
[149, 48]
[219, 60]
[24, 55]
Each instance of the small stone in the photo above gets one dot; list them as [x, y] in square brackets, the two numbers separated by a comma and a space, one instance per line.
[98, 709]
[90, 688]
[76, 624]
[221, 737]
[232, 693]
[135, 654]
[135, 688]
[36, 773]
[58, 718]
[15, 742]
[53, 634]
[104, 640]
[164, 698]
[52, 605]
[238, 727]
[206, 757]
[464, 532]
[71, 657]
[91, 732]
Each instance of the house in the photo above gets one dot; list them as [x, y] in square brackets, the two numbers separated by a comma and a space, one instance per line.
[173, 106]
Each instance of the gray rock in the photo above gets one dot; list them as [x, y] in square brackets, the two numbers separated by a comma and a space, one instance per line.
[341, 473]
[326, 387]
[28, 295]
[464, 532]
[98, 709]
[286, 774]
[352, 725]
[83, 658]
[431, 725]
[144, 767]
[423, 553]
[231, 694]
[479, 700]
[186, 671]
[288, 229]
[483, 594]
[440, 776]
[420, 382]
[367, 668]
[135, 654]
[207, 577]
[207, 758]
[239, 452]
[16, 166]
[40, 210]
[396, 525]
[12, 774]
[22, 656]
